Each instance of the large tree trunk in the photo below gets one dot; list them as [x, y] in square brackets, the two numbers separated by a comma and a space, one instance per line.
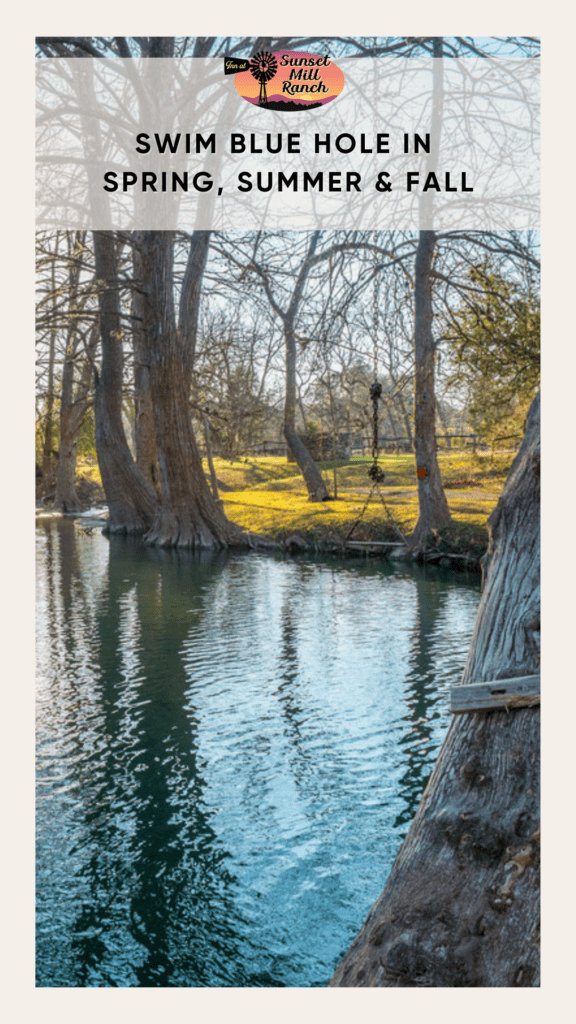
[48, 454]
[131, 501]
[190, 516]
[144, 428]
[461, 905]
[433, 507]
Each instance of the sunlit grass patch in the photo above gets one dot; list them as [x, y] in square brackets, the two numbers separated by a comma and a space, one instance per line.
[247, 472]
[88, 469]
[276, 473]
[278, 513]
[473, 505]
[268, 495]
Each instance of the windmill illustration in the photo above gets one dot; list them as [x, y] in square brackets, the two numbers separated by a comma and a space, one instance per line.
[263, 67]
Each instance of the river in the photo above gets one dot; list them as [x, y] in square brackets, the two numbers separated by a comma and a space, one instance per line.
[230, 749]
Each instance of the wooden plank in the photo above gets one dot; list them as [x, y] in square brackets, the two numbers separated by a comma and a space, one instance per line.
[523, 692]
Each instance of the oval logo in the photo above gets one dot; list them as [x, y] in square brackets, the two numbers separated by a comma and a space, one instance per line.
[289, 80]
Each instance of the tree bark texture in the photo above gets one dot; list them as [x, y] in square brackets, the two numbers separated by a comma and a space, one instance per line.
[433, 507]
[144, 428]
[48, 455]
[461, 905]
[315, 485]
[189, 516]
[131, 501]
[73, 401]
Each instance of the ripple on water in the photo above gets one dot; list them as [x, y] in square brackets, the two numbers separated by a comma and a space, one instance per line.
[229, 753]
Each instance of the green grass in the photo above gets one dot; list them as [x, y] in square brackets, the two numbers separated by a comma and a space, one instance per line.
[270, 497]
[267, 495]
[277, 514]
[275, 473]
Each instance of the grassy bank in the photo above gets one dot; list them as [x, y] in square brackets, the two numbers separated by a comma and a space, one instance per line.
[267, 495]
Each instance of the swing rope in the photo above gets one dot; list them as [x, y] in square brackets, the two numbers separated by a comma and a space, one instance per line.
[375, 473]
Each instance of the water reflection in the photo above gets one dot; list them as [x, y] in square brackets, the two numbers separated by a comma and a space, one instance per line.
[423, 695]
[229, 749]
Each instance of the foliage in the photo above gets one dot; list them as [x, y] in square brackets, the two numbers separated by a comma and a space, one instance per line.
[86, 439]
[40, 434]
[495, 346]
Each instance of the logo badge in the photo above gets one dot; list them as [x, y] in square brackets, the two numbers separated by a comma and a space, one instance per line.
[289, 80]
[232, 65]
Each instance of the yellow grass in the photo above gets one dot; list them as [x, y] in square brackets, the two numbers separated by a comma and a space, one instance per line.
[271, 473]
[267, 495]
[274, 512]
[88, 469]
[278, 512]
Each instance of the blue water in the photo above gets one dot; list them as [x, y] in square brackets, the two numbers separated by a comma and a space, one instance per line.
[230, 751]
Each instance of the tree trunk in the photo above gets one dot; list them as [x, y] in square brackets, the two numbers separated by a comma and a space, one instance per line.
[73, 406]
[131, 501]
[334, 434]
[433, 507]
[48, 446]
[144, 429]
[461, 905]
[389, 409]
[312, 477]
[66, 499]
[190, 516]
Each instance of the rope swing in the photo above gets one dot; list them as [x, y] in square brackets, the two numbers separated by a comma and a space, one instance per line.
[375, 472]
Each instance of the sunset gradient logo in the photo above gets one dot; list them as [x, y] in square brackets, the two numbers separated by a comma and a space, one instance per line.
[289, 80]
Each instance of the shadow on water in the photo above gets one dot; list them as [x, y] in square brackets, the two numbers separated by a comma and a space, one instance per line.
[229, 750]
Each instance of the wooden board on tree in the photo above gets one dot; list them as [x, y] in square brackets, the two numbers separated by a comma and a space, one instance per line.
[522, 692]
